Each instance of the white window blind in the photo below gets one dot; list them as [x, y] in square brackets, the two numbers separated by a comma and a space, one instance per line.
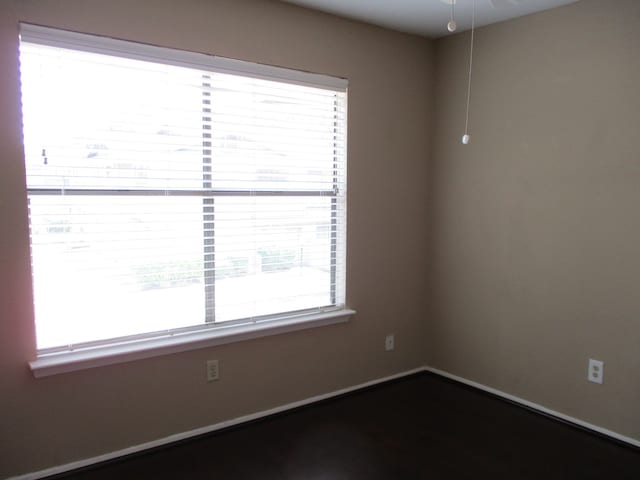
[171, 190]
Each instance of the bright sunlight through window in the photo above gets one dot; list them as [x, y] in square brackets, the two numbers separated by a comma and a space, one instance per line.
[171, 192]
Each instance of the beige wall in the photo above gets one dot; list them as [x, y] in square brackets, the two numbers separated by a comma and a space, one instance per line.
[59, 419]
[533, 262]
[535, 245]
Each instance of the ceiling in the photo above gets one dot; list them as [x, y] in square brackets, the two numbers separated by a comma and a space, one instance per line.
[429, 17]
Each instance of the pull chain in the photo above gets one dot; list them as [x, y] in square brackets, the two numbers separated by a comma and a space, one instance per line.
[466, 138]
[451, 26]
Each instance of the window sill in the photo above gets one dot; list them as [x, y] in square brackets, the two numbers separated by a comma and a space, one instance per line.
[64, 362]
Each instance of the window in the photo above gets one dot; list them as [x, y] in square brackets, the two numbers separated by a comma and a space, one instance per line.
[173, 192]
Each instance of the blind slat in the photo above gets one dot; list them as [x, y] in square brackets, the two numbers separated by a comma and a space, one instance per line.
[171, 190]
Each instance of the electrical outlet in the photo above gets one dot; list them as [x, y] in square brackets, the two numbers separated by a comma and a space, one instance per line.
[389, 342]
[213, 370]
[596, 371]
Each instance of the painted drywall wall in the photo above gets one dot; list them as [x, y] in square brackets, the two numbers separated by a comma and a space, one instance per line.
[55, 420]
[535, 227]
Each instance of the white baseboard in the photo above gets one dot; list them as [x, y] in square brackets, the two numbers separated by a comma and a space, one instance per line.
[207, 429]
[283, 408]
[539, 408]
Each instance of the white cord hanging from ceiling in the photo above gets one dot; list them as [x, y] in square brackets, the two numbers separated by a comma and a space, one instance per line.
[466, 138]
[451, 26]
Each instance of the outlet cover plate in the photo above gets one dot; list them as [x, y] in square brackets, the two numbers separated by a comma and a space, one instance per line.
[389, 342]
[213, 370]
[596, 371]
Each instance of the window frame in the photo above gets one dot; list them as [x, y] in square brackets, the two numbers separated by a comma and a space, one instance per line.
[56, 360]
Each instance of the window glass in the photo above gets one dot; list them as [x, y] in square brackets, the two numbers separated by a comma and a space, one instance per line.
[165, 197]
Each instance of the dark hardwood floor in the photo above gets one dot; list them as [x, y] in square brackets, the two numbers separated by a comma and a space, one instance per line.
[420, 427]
